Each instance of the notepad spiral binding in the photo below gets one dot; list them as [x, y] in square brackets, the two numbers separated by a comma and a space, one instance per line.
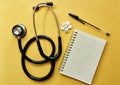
[68, 50]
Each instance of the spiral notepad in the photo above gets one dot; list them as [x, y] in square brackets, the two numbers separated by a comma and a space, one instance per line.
[82, 56]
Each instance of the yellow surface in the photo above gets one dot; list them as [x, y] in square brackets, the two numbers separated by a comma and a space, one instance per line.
[103, 13]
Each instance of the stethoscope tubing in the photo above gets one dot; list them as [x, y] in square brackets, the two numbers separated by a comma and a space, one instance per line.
[52, 57]
[34, 77]
[30, 42]
[24, 57]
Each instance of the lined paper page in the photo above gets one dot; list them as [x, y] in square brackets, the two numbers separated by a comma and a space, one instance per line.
[82, 56]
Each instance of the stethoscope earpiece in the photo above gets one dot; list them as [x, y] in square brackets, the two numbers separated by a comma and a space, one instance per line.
[19, 31]
[49, 3]
[36, 8]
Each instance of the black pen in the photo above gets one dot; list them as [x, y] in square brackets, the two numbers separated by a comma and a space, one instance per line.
[84, 22]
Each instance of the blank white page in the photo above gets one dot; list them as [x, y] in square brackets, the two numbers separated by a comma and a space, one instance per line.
[82, 56]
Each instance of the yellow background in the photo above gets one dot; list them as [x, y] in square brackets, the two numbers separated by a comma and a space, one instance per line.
[102, 13]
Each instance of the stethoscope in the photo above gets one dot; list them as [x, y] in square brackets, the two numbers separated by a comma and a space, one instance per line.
[19, 31]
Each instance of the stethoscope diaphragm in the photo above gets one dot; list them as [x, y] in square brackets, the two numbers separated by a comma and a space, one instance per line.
[19, 31]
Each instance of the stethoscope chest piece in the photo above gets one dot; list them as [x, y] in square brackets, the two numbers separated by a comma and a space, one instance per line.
[19, 31]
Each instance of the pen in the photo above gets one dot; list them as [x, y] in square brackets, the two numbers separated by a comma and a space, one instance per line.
[84, 22]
